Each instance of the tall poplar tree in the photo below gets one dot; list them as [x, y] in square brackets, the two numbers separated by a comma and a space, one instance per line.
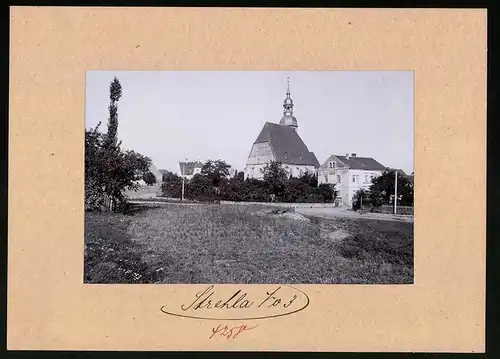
[108, 169]
[115, 93]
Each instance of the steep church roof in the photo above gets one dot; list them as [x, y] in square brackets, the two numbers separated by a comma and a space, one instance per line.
[286, 144]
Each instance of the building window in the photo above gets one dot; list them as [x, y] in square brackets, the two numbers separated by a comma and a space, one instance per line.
[357, 178]
[326, 178]
[300, 156]
[338, 178]
[366, 178]
[353, 178]
[286, 155]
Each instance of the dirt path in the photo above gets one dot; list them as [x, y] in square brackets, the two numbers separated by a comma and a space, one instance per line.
[138, 201]
[339, 212]
[325, 212]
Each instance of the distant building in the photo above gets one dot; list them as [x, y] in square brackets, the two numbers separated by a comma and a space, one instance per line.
[156, 172]
[281, 142]
[158, 175]
[349, 173]
[399, 171]
[189, 169]
[163, 172]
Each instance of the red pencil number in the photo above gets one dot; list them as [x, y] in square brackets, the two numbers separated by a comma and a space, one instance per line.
[230, 332]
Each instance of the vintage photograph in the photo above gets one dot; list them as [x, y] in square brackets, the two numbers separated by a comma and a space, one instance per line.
[283, 177]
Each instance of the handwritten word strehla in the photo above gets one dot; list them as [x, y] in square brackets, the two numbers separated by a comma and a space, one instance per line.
[238, 300]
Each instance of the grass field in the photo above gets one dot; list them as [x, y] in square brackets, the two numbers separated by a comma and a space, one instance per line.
[243, 244]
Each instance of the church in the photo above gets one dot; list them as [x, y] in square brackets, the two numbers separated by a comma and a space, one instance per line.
[281, 142]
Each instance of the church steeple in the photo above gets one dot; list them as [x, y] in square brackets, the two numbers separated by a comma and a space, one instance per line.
[288, 117]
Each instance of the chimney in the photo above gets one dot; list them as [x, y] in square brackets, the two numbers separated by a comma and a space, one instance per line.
[347, 156]
[353, 155]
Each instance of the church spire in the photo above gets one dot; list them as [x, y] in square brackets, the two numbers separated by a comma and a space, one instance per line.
[288, 117]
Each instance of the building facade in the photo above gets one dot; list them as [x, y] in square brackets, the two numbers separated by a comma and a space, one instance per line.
[349, 173]
[281, 142]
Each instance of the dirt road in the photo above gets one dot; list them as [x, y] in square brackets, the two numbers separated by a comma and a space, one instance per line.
[339, 212]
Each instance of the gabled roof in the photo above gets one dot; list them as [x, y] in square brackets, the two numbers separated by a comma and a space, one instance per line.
[155, 171]
[361, 163]
[286, 144]
[187, 168]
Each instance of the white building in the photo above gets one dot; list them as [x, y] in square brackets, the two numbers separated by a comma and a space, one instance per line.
[281, 142]
[189, 169]
[349, 173]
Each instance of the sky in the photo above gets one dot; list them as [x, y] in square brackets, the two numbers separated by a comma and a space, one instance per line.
[171, 116]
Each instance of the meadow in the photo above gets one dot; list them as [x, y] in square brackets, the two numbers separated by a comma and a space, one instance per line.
[211, 243]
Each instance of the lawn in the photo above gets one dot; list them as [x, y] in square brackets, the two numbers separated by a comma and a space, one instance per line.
[213, 243]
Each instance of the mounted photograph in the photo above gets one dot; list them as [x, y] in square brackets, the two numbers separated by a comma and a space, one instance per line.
[251, 177]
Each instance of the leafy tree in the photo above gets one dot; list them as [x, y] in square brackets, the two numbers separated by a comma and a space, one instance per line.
[239, 176]
[200, 187]
[172, 185]
[216, 171]
[296, 190]
[275, 177]
[382, 190]
[361, 197]
[94, 179]
[115, 93]
[169, 176]
[149, 178]
[255, 190]
[108, 169]
[326, 192]
[310, 178]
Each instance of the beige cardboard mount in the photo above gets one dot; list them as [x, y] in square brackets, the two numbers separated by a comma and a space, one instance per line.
[51, 49]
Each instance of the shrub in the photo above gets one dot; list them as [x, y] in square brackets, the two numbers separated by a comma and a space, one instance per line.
[326, 192]
[361, 197]
[171, 185]
[149, 178]
[200, 188]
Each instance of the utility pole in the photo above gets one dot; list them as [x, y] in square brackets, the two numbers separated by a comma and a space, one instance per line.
[183, 177]
[395, 191]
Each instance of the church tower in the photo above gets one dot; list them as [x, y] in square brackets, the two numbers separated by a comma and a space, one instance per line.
[288, 118]
[281, 142]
